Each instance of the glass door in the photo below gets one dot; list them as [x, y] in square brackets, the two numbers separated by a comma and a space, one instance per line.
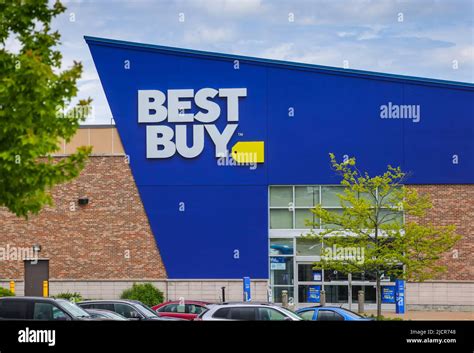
[309, 283]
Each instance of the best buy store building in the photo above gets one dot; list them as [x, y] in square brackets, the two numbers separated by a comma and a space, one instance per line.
[224, 155]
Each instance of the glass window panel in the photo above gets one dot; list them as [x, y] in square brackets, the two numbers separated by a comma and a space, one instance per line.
[369, 291]
[333, 275]
[391, 216]
[302, 217]
[329, 195]
[281, 247]
[277, 293]
[308, 247]
[363, 276]
[306, 196]
[329, 225]
[281, 219]
[393, 196]
[281, 270]
[337, 294]
[368, 197]
[306, 273]
[281, 196]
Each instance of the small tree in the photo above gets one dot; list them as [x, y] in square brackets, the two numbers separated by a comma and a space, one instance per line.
[371, 223]
[34, 94]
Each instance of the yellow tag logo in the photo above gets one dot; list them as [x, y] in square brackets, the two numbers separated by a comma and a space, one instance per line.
[249, 152]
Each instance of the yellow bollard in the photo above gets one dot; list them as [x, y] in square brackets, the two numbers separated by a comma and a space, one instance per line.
[12, 287]
[45, 289]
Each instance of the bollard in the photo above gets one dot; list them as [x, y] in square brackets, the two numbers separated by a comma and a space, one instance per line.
[223, 294]
[12, 287]
[45, 289]
[360, 300]
[284, 298]
[322, 298]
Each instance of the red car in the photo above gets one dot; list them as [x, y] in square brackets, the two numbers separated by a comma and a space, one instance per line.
[187, 309]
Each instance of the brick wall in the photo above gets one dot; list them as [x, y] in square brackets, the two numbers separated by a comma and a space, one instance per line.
[92, 241]
[454, 204]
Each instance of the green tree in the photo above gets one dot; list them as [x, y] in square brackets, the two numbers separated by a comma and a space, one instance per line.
[368, 234]
[144, 292]
[34, 93]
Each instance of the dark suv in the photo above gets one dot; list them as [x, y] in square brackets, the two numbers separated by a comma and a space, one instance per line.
[130, 309]
[39, 308]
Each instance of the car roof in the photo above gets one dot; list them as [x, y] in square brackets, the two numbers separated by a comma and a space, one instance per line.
[33, 298]
[245, 304]
[110, 301]
[185, 302]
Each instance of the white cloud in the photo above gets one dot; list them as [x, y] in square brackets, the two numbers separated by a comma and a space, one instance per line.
[208, 35]
[227, 7]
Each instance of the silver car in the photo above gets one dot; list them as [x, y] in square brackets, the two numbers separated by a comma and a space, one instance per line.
[247, 311]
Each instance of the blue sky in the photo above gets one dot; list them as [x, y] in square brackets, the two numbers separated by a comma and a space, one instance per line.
[418, 38]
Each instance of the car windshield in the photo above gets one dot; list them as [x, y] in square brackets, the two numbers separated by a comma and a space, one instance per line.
[73, 309]
[291, 313]
[145, 310]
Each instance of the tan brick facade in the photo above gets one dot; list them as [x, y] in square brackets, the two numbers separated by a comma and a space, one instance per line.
[92, 241]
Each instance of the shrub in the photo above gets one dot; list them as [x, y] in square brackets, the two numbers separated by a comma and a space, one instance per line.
[6, 293]
[72, 297]
[146, 293]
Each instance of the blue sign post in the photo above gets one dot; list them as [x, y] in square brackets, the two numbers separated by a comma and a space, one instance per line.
[247, 295]
[400, 296]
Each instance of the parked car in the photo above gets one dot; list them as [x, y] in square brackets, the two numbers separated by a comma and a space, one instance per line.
[187, 310]
[247, 311]
[39, 308]
[105, 315]
[329, 313]
[130, 309]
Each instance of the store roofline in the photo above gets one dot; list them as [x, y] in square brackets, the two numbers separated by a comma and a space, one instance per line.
[281, 63]
[96, 126]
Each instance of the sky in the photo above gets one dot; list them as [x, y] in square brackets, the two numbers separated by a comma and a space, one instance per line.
[426, 38]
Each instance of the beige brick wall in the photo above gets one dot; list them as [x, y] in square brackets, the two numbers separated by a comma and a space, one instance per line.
[441, 293]
[206, 290]
[92, 241]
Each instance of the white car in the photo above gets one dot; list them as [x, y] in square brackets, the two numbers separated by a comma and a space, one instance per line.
[247, 311]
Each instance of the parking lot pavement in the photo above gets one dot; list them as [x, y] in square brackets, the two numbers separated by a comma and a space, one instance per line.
[429, 315]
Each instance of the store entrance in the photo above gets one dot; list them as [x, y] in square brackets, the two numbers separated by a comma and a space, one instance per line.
[340, 288]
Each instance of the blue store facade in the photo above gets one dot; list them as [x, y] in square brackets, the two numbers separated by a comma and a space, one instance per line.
[181, 114]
